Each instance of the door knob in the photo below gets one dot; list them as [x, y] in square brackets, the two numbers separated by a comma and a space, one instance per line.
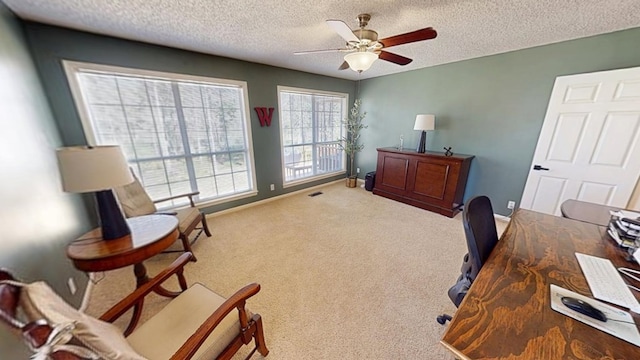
[538, 167]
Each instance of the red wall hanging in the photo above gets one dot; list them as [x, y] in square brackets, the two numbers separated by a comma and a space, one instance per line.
[264, 115]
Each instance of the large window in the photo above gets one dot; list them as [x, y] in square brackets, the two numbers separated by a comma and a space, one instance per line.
[312, 124]
[180, 133]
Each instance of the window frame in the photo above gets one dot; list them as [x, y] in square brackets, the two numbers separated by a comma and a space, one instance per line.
[345, 97]
[71, 69]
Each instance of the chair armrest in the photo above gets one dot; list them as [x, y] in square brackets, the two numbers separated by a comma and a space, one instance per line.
[189, 195]
[237, 300]
[177, 267]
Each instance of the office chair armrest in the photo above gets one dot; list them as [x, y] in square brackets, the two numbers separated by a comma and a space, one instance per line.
[189, 195]
[237, 300]
[177, 268]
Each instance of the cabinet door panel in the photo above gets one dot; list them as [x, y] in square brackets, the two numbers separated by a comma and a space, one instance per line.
[431, 179]
[394, 172]
[436, 181]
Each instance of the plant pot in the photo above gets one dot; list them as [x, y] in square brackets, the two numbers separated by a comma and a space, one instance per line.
[352, 182]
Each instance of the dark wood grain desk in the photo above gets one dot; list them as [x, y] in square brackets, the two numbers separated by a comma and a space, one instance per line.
[507, 314]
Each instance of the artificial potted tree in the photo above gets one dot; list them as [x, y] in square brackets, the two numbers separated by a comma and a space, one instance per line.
[349, 143]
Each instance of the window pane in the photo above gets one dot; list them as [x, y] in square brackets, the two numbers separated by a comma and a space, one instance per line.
[203, 166]
[239, 161]
[99, 89]
[160, 93]
[168, 129]
[221, 164]
[311, 127]
[133, 91]
[207, 185]
[225, 183]
[190, 95]
[241, 180]
[176, 134]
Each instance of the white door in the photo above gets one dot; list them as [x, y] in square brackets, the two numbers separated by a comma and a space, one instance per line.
[588, 147]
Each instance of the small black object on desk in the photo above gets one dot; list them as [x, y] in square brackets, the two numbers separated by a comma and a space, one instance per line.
[583, 308]
[447, 151]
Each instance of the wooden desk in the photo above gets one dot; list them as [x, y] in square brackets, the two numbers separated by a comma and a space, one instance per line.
[507, 312]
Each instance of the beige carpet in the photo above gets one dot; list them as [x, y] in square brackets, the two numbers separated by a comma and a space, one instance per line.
[344, 275]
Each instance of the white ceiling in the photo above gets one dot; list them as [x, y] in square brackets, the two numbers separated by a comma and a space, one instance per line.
[269, 32]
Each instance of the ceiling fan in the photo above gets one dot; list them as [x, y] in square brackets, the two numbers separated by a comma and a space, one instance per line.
[363, 46]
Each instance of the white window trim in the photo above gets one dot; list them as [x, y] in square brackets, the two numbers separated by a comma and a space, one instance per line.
[71, 67]
[285, 184]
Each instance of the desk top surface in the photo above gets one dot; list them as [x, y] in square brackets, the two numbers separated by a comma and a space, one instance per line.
[408, 151]
[507, 312]
[150, 234]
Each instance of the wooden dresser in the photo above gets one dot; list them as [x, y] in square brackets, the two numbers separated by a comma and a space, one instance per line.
[430, 180]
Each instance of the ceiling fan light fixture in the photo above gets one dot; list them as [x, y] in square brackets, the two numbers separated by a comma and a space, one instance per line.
[360, 61]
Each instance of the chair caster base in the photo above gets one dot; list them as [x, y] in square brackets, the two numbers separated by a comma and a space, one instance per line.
[442, 319]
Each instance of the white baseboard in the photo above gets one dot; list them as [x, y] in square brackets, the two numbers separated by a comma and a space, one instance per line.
[502, 218]
[274, 198]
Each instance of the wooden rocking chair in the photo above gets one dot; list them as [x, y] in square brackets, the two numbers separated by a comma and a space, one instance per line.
[197, 324]
[135, 201]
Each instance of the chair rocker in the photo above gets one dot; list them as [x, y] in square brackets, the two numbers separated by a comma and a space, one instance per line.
[135, 201]
[197, 324]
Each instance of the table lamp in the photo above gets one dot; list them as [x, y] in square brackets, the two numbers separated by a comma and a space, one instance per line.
[97, 169]
[424, 123]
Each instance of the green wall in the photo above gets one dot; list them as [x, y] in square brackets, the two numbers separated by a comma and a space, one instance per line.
[50, 45]
[37, 219]
[491, 107]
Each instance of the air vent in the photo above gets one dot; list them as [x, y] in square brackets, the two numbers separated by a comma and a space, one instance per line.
[316, 193]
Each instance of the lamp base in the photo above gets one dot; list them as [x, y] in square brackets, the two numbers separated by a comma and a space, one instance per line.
[422, 144]
[112, 221]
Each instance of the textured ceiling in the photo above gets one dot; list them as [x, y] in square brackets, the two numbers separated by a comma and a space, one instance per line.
[269, 32]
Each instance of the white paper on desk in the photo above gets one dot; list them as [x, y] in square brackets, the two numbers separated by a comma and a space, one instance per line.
[636, 255]
[626, 331]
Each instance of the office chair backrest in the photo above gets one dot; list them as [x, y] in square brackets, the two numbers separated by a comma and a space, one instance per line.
[482, 237]
[480, 230]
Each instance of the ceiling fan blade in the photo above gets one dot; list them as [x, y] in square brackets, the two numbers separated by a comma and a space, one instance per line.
[343, 30]
[394, 58]
[418, 35]
[319, 51]
[344, 66]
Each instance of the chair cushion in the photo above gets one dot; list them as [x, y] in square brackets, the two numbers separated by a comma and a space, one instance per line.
[162, 335]
[134, 200]
[186, 217]
[39, 301]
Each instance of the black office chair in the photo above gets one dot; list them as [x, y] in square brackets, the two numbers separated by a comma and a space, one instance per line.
[482, 236]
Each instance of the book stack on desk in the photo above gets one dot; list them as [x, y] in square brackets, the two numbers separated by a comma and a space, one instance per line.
[624, 228]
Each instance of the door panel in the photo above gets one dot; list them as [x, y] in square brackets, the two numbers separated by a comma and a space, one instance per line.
[618, 137]
[567, 137]
[596, 193]
[548, 194]
[588, 143]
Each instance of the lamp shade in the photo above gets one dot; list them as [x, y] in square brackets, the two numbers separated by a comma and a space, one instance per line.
[360, 61]
[425, 122]
[92, 168]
